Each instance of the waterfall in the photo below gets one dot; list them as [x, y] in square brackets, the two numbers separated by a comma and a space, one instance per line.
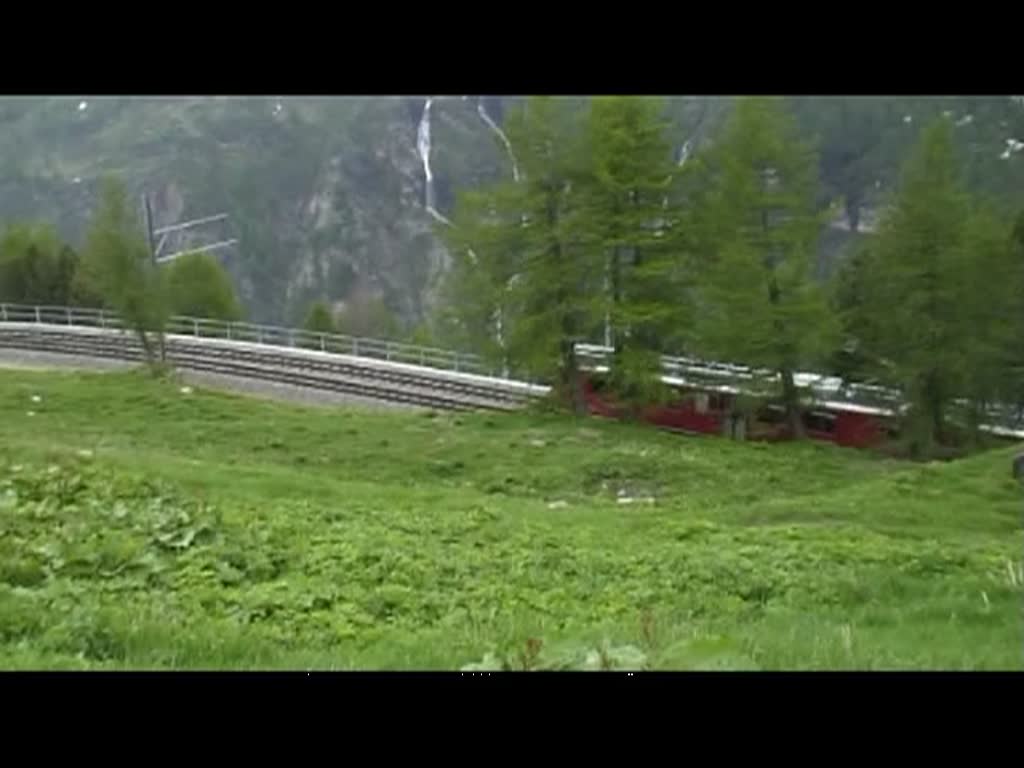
[423, 149]
[501, 135]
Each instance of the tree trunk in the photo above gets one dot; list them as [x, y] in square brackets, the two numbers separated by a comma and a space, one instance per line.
[147, 346]
[791, 401]
[572, 383]
[934, 398]
[925, 421]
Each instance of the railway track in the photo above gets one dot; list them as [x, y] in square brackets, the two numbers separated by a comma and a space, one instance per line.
[311, 369]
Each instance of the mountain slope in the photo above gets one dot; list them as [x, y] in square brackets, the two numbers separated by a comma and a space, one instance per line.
[328, 196]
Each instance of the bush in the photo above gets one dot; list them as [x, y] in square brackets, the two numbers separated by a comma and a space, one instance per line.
[198, 286]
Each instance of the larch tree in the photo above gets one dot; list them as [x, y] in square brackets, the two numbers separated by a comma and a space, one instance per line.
[626, 219]
[992, 302]
[485, 242]
[116, 264]
[756, 226]
[918, 295]
[524, 247]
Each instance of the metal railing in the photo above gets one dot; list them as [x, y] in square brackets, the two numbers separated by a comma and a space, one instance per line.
[362, 377]
[821, 388]
[695, 372]
[269, 335]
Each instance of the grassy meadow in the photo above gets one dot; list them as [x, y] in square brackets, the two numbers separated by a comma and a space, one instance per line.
[147, 527]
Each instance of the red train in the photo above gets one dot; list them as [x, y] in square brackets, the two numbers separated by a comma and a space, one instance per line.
[857, 416]
[712, 412]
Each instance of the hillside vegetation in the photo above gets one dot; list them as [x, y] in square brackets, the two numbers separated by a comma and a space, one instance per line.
[327, 194]
[143, 525]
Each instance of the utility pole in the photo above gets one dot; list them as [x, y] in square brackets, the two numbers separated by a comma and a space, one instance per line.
[156, 247]
[149, 227]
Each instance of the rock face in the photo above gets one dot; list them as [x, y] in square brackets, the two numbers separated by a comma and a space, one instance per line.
[327, 195]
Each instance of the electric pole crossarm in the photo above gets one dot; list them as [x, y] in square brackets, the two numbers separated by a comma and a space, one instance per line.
[187, 224]
[201, 248]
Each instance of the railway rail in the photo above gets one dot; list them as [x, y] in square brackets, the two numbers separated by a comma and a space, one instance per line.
[391, 371]
[379, 370]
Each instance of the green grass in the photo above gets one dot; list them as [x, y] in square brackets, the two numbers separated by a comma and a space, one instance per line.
[141, 527]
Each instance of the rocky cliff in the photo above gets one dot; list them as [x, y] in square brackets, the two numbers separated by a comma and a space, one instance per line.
[334, 197]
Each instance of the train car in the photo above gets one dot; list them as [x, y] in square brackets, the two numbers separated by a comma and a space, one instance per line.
[711, 410]
[705, 396]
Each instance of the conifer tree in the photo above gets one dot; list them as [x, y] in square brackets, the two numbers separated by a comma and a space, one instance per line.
[920, 287]
[627, 219]
[756, 227]
[523, 255]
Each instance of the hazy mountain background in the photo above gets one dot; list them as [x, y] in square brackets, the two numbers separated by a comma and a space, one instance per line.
[327, 195]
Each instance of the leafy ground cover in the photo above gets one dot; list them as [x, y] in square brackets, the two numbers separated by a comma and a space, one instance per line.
[147, 526]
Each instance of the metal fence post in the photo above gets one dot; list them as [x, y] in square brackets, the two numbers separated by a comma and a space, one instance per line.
[3, 312]
[38, 319]
[387, 351]
[69, 315]
[195, 328]
[323, 346]
[355, 346]
[455, 360]
[228, 328]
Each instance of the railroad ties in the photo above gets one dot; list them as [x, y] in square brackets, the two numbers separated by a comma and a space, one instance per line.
[311, 369]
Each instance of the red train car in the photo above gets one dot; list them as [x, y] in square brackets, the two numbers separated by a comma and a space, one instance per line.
[711, 410]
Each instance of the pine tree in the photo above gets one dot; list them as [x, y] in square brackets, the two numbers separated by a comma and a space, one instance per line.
[991, 304]
[755, 227]
[486, 246]
[1014, 382]
[626, 218]
[523, 261]
[918, 300]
